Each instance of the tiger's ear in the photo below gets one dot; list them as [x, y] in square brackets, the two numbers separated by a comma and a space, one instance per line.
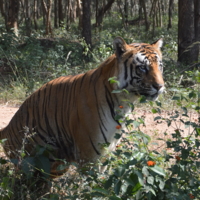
[158, 44]
[120, 46]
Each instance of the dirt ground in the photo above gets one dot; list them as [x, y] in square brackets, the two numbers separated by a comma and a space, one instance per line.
[154, 128]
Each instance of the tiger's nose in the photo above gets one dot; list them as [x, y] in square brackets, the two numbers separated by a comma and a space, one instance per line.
[158, 86]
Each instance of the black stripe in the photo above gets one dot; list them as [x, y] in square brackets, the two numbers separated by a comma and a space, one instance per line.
[98, 107]
[134, 77]
[82, 79]
[103, 135]
[139, 60]
[97, 152]
[124, 87]
[94, 76]
[60, 138]
[125, 67]
[110, 104]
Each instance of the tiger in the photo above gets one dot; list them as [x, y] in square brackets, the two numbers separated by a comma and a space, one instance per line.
[74, 115]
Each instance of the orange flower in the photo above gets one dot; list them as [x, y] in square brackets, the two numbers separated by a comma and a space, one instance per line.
[121, 106]
[191, 196]
[177, 158]
[118, 126]
[151, 163]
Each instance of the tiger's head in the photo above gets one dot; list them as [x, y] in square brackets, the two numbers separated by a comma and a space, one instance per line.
[140, 68]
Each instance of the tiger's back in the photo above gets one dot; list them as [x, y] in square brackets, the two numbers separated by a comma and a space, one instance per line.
[74, 115]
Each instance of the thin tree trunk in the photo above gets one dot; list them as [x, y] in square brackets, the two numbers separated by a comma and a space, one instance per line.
[12, 16]
[28, 18]
[145, 15]
[47, 9]
[197, 26]
[126, 12]
[160, 13]
[73, 13]
[102, 11]
[186, 35]
[35, 15]
[80, 13]
[60, 13]
[56, 13]
[171, 2]
[86, 26]
[2, 8]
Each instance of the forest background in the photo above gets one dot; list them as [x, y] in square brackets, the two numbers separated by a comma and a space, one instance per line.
[44, 39]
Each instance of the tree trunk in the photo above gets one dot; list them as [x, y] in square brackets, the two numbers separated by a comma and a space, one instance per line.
[60, 13]
[2, 8]
[160, 13]
[126, 12]
[79, 13]
[12, 16]
[35, 15]
[197, 26]
[140, 10]
[56, 13]
[102, 11]
[171, 2]
[28, 21]
[145, 14]
[86, 25]
[47, 10]
[186, 36]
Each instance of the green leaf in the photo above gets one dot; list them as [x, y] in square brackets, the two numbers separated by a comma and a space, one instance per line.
[176, 98]
[124, 90]
[192, 95]
[140, 177]
[120, 171]
[2, 141]
[108, 183]
[114, 198]
[150, 180]
[145, 171]
[161, 182]
[43, 164]
[117, 136]
[156, 118]
[117, 186]
[116, 91]
[100, 190]
[184, 153]
[143, 99]
[27, 165]
[129, 121]
[62, 167]
[153, 110]
[158, 170]
[132, 179]
[136, 124]
[184, 110]
[114, 80]
[136, 188]
[158, 104]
